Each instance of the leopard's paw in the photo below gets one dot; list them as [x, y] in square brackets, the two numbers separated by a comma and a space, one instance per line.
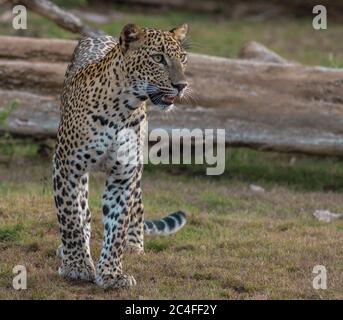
[115, 281]
[77, 271]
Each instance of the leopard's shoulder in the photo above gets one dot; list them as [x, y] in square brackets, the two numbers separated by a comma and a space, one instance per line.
[90, 50]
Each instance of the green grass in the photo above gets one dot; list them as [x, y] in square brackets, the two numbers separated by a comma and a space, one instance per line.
[17, 148]
[7, 110]
[296, 172]
[10, 233]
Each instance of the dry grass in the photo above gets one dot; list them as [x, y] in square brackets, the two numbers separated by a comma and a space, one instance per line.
[237, 244]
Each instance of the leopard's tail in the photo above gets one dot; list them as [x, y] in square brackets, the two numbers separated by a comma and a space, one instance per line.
[165, 226]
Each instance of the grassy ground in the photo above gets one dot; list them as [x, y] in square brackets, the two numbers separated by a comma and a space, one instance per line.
[238, 244]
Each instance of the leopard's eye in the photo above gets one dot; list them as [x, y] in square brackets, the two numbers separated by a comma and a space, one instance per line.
[158, 58]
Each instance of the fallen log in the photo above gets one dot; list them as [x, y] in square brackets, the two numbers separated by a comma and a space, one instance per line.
[38, 116]
[274, 106]
[40, 77]
[258, 52]
[36, 49]
[34, 115]
[226, 79]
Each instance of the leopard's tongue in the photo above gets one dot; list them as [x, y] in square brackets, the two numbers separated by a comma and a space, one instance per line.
[169, 100]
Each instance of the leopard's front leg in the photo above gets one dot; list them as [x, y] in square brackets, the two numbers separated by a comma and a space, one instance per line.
[71, 199]
[117, 204]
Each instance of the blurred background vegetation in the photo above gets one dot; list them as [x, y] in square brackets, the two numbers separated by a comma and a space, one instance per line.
[284, 27]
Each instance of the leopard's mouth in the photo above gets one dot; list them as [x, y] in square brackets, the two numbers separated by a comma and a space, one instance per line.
[168, 99]
[162, 100]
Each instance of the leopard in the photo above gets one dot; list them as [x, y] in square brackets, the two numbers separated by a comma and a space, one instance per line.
[108, 86]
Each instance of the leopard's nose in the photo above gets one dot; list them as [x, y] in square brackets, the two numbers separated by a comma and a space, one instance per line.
[179, 86]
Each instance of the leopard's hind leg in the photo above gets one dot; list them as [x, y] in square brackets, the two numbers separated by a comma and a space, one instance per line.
[135, 237]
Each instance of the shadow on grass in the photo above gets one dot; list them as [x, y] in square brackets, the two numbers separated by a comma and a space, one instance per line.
[299, 172]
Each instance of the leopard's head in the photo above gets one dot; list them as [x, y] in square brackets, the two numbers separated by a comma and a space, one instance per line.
[155, 62]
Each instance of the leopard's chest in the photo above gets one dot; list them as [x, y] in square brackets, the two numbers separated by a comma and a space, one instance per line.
[118, 140]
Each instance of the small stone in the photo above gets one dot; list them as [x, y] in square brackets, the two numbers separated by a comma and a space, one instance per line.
[255, 188]
[326, 215]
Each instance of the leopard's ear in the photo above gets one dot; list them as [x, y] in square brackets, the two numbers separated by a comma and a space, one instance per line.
[180, 32]
[130, 37]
